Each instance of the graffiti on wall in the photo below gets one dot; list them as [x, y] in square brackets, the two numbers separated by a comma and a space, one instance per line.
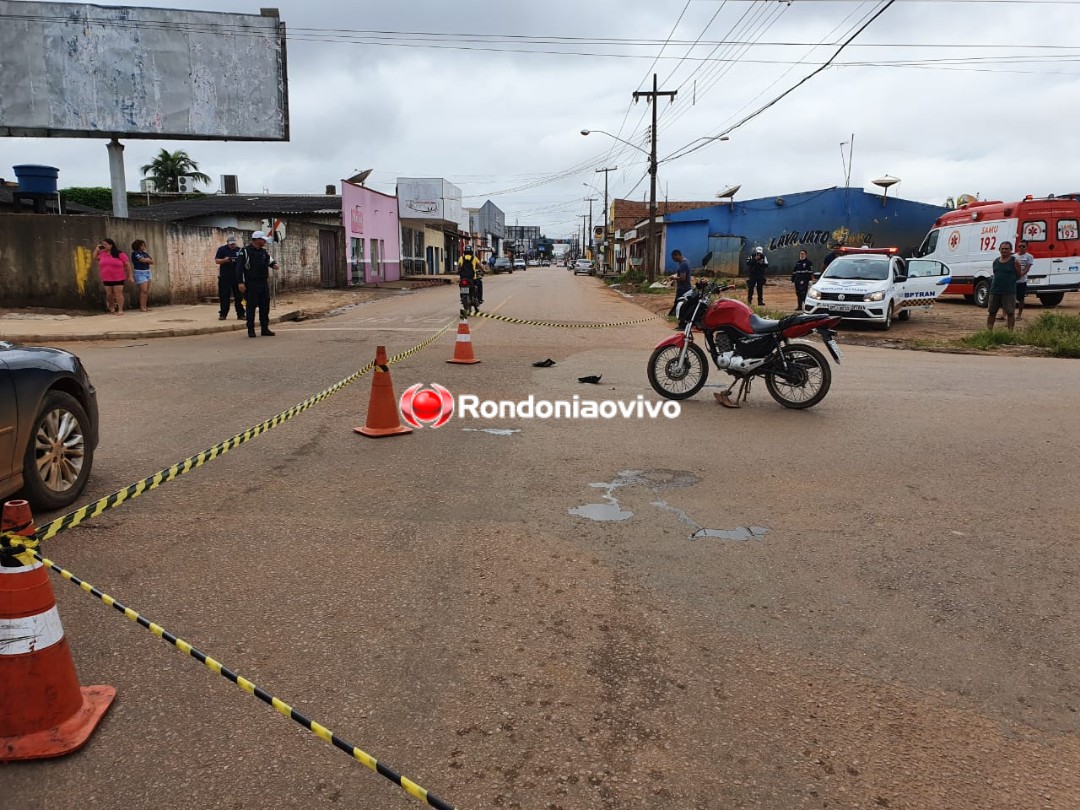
[821, 237]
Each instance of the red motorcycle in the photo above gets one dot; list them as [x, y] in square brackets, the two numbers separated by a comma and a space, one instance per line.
[744, 346]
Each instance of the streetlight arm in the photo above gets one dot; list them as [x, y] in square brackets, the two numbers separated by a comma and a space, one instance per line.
[620, 140]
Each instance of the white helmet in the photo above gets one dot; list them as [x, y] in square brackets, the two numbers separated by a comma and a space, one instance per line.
[759, 250]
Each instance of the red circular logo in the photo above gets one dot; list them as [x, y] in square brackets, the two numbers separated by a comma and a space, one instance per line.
[954, 240]
[427, 407]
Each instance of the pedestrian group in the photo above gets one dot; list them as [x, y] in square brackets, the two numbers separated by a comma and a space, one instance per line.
[244, 274]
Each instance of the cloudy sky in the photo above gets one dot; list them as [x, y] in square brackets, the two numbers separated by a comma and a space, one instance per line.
[950, 96]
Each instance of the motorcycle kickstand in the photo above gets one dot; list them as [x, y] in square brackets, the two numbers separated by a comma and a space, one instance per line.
[724, 397]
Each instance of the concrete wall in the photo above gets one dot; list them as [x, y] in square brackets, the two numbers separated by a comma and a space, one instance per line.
[47, 261]
[192, 251]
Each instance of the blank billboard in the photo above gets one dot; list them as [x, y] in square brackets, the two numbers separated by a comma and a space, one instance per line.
[72, 70]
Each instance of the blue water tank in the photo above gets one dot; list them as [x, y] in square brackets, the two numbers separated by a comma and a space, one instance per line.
[36, 179]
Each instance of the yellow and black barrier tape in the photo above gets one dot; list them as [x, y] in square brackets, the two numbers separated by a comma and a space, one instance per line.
[92, 510]
[320, 731]
[561, 325]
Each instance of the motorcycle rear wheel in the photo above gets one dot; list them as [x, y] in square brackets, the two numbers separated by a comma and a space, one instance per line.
[672, 382]
[806, 380]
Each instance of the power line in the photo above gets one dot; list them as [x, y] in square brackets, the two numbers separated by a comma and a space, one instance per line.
[794, 87]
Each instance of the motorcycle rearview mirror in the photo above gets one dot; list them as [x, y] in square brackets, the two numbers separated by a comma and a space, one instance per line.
[706, 259]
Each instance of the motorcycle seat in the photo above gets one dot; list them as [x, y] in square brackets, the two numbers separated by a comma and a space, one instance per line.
[763, 326]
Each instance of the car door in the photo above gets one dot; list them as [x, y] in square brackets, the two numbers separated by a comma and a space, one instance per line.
[923, 282]
[9, 421]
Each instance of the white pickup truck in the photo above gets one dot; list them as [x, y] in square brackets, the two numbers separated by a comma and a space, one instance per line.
[876, 285]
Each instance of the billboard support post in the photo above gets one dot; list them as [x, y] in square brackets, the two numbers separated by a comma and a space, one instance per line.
[119, 182]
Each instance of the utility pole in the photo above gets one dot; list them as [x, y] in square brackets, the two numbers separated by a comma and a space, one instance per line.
[851, 158]
[653, 265]
[608, 252]
[581, 253]
[590, 201]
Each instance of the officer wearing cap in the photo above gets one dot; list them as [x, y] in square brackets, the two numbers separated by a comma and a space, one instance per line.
[253, 266]
[756, 267]
[227, 286]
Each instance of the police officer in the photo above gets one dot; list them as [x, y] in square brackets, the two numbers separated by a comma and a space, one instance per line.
[253, 266]
[802, 276]
[756, 266]
[227, 288]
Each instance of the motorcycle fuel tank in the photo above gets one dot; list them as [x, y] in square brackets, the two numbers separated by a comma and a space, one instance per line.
[727, 312]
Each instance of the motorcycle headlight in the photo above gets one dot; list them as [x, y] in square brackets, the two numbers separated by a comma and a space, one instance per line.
[878, 296]
[814, 293]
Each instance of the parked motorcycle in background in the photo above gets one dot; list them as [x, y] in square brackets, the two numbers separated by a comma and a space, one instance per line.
[744, 346]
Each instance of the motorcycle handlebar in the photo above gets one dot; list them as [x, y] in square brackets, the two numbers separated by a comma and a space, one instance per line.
[713, 288]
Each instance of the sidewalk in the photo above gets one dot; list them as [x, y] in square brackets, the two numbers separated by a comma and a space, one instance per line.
[38, 326]
[167, 321]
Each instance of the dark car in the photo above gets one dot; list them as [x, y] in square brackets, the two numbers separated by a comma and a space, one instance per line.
[502, 264]
[48, 425]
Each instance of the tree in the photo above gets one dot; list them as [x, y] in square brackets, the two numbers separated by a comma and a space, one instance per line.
[98, 197]
[166, 169]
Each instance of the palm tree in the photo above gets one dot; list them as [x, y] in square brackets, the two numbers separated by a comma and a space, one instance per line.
[166, 169]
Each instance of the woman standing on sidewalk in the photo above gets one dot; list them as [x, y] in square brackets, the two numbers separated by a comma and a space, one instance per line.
[141, 261]
[115, 268]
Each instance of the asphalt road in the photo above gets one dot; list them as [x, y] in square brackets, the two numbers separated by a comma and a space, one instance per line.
[898, 630]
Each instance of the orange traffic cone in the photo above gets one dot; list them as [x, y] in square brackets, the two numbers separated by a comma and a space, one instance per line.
[463, 352]
[382, 415]
[43, 711]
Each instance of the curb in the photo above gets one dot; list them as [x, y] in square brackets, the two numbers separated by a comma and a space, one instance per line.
[187, 331]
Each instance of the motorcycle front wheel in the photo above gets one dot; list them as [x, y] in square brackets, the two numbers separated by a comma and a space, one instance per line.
[673, 380]
[803, 381]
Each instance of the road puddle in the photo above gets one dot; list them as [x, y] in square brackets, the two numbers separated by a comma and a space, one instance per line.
[658, 481]
[602, 512]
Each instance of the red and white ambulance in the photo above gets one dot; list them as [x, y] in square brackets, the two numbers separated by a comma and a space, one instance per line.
[967, 241]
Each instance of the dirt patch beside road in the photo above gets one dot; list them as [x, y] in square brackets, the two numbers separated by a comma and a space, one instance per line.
[951, 319]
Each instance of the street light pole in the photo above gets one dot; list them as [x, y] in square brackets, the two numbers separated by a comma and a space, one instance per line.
[590, 201]
[608, 254]
[653, 265]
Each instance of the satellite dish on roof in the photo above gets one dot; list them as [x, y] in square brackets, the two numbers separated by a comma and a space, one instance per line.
[358, 179]
[885, 182]
[728, 192]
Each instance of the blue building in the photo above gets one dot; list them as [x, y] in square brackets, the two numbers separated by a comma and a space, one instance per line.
[809, 220]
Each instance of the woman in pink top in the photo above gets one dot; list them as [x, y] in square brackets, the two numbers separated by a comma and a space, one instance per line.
[115, 268]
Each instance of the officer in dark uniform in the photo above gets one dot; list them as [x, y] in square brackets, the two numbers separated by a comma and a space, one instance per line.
[757, 265]
[802, 276]
[253, 266]
[227, 287]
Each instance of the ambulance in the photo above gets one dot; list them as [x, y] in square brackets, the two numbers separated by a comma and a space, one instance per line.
[967, 241]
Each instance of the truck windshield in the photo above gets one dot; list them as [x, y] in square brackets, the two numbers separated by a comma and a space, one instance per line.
[864, 268]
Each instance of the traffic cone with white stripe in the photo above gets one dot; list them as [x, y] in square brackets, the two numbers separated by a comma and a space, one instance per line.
[43, 711]
[463, 352]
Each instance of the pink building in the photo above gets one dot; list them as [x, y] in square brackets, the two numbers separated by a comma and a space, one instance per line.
[373, 233]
